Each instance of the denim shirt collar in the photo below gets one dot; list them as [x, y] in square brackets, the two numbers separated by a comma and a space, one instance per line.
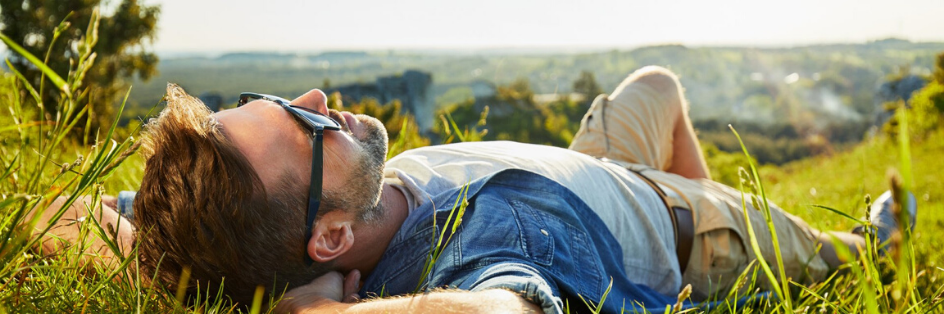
[393, 274]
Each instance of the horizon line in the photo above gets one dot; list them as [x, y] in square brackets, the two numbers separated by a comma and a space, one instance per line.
[533, 48]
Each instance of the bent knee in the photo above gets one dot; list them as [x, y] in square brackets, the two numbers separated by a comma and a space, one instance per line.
[661, 79]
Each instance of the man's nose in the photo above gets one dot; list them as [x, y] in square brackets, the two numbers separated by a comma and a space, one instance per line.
[314, 99]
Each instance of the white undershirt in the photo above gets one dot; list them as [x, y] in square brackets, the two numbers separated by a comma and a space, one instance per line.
[631, 210]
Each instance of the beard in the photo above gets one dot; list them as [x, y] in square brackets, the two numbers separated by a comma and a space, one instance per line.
[362, 190]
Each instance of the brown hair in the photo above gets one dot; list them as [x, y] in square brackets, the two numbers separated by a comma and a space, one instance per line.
[201, 205]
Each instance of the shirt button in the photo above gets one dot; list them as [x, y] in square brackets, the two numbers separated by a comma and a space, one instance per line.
[544, 232]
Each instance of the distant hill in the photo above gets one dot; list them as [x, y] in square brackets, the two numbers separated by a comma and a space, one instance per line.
[811, 85]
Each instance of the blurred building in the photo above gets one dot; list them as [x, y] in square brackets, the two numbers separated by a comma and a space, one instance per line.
[894, 91]
[412, 88]
[213, 100]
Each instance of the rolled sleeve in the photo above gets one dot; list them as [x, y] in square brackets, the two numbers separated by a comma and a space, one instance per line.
[125, 201]
[519, 278]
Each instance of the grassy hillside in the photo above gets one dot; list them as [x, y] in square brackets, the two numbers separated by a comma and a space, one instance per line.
[40, 160]
[841, 181]
[54, 284]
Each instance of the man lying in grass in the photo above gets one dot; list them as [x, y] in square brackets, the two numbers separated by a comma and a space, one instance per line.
[291, 195]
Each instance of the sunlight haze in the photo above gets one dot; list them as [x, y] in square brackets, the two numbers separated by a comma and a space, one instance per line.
[295, 25]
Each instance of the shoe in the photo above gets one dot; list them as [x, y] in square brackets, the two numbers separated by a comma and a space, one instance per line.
[882, 217]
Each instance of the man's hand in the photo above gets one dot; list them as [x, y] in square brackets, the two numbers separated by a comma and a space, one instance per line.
[324, 291]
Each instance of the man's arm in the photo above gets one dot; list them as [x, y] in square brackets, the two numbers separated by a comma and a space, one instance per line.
[323, 294]
[66, 230]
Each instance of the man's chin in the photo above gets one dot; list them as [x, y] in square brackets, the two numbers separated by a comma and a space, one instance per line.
[373, 135]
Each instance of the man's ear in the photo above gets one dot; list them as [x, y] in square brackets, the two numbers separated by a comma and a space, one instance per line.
[331, 237]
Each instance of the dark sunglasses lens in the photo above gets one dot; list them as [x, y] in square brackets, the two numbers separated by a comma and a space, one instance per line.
[319, 119]
[310, 115]
[246, 98]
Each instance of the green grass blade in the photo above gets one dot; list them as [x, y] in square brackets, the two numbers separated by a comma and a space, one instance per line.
[867, 287]
[821, 298]
[55, 78]
[906, 258]
[257, 300]
[19, 127]
[10, 168]
[26, 83]
[784, 280]
[437, 245]
[756, 247]
[840, 213]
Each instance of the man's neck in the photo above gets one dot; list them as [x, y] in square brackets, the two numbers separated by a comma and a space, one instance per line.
[371, 239]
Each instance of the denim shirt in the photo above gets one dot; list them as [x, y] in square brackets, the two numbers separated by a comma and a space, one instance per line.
[521, 232]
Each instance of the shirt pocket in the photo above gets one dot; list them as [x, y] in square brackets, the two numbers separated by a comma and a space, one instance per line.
[564, 250]
[537, 244]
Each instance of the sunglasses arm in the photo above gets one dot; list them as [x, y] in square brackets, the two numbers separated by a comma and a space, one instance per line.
[314, 189]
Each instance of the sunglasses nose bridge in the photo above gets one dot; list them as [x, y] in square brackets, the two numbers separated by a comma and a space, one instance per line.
[317, 118]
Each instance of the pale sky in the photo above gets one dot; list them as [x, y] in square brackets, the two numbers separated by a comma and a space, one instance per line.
[298, 25]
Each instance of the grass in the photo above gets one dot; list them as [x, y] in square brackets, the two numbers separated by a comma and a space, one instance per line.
[846, 183]
[40, 160]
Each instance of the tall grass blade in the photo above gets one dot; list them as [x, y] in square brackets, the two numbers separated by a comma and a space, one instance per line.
[398, 145]
[823, 300]
[437, 245]
[182, 285]
[840, 213]
[257, 300]
[905, 274]
[756, 247]
[867, 287]
[784, 280]
[597, 308]
[50, 74]
[26, 83]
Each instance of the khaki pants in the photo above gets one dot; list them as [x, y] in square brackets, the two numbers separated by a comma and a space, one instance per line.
[634, 126]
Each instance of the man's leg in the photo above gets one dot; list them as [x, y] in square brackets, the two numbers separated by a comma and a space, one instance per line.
[645, 121]
[687, 158]
[828, 251]
[883, 215]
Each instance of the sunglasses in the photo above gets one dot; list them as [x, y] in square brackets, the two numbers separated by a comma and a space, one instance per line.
[315, 123]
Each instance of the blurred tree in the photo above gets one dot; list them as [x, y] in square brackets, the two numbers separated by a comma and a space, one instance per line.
[513, 115]
[587, 85]
[519, 90]
[939, 69]
[926, 107]
[120, 51]
[573, 111]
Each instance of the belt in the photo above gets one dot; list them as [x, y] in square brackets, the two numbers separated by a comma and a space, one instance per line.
[682, 222]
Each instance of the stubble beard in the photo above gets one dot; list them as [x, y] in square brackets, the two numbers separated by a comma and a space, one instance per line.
[362, 193]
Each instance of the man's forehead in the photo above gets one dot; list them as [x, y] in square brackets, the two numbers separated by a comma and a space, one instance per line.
[250, 112]
[228, 111]
[258, 133]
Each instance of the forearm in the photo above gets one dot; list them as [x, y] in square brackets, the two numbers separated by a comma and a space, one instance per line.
[489, 301]
[67, 229]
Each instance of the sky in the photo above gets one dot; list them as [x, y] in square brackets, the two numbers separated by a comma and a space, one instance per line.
[300, 25]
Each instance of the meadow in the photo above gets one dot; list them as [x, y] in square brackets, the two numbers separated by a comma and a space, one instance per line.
[46, 155]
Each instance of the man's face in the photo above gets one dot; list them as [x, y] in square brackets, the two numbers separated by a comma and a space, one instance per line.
[279, 149]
